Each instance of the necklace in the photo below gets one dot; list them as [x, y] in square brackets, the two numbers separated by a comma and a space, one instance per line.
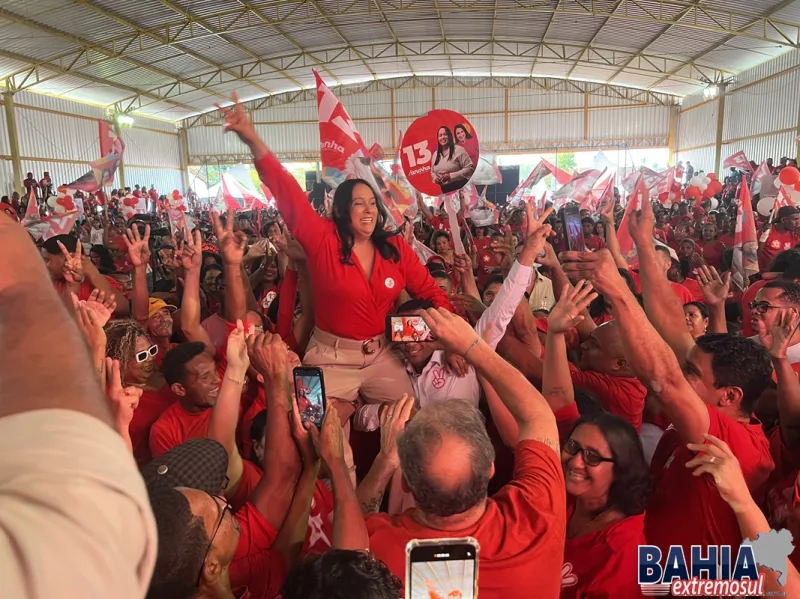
[585, 526]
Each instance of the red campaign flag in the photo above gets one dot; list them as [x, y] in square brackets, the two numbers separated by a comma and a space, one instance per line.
[268, 196]
[562, 177]
[540, 171]
[668, 177]
[339, 139]
[110, 142]
[578, 189]
[650, 178]
[781, 200]
[640, 195]
[759, 175]
[745, 242]
[32, 211]
[738, 160]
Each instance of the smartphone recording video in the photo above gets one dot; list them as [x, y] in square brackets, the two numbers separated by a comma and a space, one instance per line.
[309, 389]
[407, 329]
[574, 228]
[442, 569]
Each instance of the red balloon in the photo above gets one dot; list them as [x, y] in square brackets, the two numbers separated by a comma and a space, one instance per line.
[789, 175]
[693, 192]
[676, 186]
[712, 176]
[716, 186]
[709, 192]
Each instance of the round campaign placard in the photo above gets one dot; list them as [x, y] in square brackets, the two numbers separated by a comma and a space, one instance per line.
[440, 152]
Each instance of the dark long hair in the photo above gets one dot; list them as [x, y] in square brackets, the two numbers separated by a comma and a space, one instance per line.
[464, 129]
[633, 482]
[342, 200]
[451, 145]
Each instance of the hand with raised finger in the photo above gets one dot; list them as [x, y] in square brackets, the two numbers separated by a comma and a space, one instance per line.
[138, 246]
[231, 243]
[598, 268]
[641, 223]
[236, 351]
[777, 339]
[566, 314]
[716, 459]
[123, 400]
[101, 305]
[92, 331]
[268, 354]
[73, 264]
[393, 422]
[236, 120]
[716, 289]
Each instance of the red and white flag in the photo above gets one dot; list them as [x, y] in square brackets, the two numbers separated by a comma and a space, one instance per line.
[650, 178]
[640, 195]
[668, 177]
[738, 160]
[781, 200]
[745, 242]
[579, 188]
[270, 199]
[759, 175]
[524, 191]
[50, 226]
[110, 143]
[563, 177]
[32, 211]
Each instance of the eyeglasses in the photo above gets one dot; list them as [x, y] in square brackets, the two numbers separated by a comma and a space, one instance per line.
[226, 508]
[143, 355]
[761, 307]
[590, 457]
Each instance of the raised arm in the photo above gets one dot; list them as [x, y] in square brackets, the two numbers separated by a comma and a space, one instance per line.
[192, 259]
[273, 494]
[776, 341]
[304, 223]
[530, 410]
[715, 292]
[612, 242]
[651, 359]
[424, 210]
[663, 307]
[225, 413]
[139, 255]
[232, 245]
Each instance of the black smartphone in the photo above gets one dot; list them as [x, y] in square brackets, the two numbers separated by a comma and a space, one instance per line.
[407, 329]
[572, 223]
[442, 569]
[309, 388]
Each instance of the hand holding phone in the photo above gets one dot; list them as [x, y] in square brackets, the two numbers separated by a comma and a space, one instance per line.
[309, 387]
[407, 329]
[442, 569]
[572, 222]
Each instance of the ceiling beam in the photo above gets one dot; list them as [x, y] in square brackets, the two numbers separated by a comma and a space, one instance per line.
[594, 37]
[544, 36]
[392, 33]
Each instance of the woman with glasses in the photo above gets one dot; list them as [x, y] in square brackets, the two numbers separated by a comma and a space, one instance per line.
[607, 478]
[128, 343]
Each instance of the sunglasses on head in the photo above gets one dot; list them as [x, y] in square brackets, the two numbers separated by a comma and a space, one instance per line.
[151, 351]
[761, 307]
[590, 457]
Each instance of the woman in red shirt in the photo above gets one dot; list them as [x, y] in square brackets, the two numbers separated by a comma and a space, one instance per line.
[712, 247]
[127, 342]
[357, 272]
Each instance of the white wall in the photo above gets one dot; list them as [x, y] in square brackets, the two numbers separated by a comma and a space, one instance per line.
[61, 137]
[761, 116]
[536, 119]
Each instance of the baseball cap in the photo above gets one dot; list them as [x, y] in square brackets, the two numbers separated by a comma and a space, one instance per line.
[157, 304]
[196, 464]
[785, 211]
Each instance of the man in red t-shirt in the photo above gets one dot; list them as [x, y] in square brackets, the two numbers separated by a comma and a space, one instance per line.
[724, 377]
[521, 528]
[783, 236]
[664, 263]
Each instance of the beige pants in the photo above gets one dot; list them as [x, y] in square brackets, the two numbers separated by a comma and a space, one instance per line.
[369, 369]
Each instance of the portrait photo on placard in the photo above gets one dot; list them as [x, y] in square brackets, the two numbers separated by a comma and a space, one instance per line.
[440, 152]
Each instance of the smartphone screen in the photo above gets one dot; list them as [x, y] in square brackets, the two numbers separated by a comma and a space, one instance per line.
[446, 571]
[407, 329]
[572, 223]
[309, 391]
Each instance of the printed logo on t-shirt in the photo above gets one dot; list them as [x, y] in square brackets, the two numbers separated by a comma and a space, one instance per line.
[438, 378]
[389, 282]
[568, 579]
[268, 299]
[776, 244]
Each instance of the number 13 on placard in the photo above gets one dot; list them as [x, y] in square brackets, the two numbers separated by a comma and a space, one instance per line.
[417, 154]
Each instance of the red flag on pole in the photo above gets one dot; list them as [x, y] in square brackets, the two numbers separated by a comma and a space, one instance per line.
[32, 211]
[759, 176]
[339, 139]
[745, 242]
[579, 187]
[640, 195]
[50, 226]
[738, 160]
[110, 142]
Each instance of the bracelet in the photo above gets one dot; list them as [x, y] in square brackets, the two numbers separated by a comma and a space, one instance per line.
[476, 342]
[233, 380]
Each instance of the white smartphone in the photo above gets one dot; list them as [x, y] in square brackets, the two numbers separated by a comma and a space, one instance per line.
[442, 569]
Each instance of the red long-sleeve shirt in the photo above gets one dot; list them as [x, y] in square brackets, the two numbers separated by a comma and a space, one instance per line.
[346, 304]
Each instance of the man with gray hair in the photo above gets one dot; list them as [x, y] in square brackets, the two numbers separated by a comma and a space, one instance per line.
[447, 460]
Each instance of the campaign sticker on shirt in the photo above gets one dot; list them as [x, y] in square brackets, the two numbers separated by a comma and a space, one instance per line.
[389, 282]
[440, 152]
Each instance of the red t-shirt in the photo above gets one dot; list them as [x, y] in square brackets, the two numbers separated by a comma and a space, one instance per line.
[604, 563]
[440, 224]
[594, 242]
[681, 291]
[777, 242]
[620, 395]
[254, 566]
[687, 510]
[695, 289]
[347, 303]
[151, 405]
[482, 243]
[521, 533]
[487, 262]
[175, 426]
[780, 490]
[712, 252]
[749, 296]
